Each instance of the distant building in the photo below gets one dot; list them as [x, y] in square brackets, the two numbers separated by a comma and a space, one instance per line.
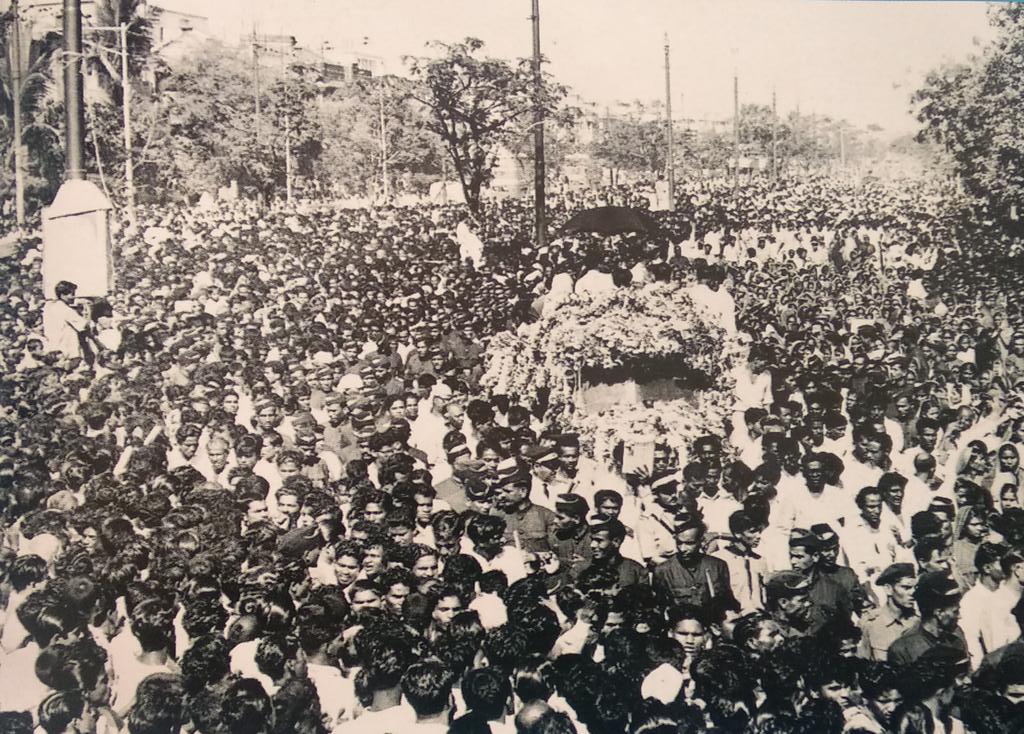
[176, 35]
[338, 68]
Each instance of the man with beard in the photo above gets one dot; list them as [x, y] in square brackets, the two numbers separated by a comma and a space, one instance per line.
[938, 598]
[606, 539]
[870, 546]
[882, 626]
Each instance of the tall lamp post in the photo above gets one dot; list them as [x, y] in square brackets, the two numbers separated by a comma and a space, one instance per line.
[670, 164]
[15, 53]
[538, 133]
[76, 236]
[74, 110]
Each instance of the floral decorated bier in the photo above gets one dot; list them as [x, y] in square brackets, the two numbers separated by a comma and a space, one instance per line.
[630, 366]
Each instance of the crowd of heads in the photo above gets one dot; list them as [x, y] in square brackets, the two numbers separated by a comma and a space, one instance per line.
[268, 493]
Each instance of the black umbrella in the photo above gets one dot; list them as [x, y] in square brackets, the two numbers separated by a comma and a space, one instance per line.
[609, 220]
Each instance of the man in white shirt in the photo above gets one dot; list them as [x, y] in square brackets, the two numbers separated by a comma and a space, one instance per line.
[715, 503]
[815, 501]
[427, 686]
[62, 324]
[1004, 625]
[709, 295]
[753, 382]
[747, 569]
[979, 606]
[486, 534]
[152, 624]
[865, 467]
[386, 712]
[870, 546]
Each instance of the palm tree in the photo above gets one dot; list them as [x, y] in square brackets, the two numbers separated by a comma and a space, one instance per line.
[103, 48]
[38, 91]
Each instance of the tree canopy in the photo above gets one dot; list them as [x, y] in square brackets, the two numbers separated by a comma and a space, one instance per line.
[477, 104]
[975, 110]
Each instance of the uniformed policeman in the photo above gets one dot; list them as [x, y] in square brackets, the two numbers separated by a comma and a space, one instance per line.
[787, 602]
[829, 601]
[884, 625]
[938, 599]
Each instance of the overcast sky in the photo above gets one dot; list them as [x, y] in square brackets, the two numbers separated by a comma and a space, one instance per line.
[848, 58]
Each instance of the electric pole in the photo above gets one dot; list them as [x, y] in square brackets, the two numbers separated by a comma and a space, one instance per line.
[670, 169]
[256, 80]
[16, 83]
[286, 70]
[538, 132]
[775, 138]
[129, 165]
[736, 133]
[74, 112]
[385, 184]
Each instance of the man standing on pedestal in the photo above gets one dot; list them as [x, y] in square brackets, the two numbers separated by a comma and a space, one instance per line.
[63, 326]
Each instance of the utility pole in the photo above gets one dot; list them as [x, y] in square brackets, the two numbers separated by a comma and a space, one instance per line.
[256, 79]
[386, 186]
[670, 169]
[538, 133]
[126, 97]
[842, 147]
[288, 188]
[736, 132]
[74, 112]
[775, 138]
[16, 83]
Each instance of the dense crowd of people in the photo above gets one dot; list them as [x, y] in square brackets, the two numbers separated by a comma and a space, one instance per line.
[260, 488]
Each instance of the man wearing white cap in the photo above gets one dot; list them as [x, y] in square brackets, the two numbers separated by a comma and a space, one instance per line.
[429, 428]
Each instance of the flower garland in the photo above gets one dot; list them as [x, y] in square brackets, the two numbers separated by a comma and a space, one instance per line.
[624, 328]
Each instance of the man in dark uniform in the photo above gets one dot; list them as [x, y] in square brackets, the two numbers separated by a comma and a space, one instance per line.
[786, 600]
[884, 625]
[829, 601]
[569, 537]
[453, 490]
[829, 567]
[528, 525]
[938, 598]
[691, 576]
[605, 540]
